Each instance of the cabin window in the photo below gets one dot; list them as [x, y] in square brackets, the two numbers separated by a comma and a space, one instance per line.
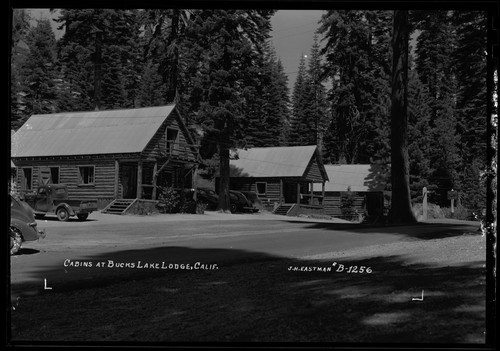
[86, 175]
[27, 178]
[54, 175]
[171, 139]
[261, 188]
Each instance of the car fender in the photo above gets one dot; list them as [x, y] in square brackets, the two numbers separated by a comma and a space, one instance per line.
[67, 207]
[20, 226]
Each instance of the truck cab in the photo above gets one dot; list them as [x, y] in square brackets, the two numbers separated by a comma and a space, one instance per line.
[53, 198]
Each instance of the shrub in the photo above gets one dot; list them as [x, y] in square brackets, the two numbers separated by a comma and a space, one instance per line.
[460, 212]
[168, 200]
[347, 205]
[201, 207]
[433, 211]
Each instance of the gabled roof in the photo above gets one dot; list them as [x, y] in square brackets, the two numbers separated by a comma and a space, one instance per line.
[288, 161]
[89, 133]
[367, 177]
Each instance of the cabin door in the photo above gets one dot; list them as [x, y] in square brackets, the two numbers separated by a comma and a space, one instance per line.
[129, 181]
[290, 192]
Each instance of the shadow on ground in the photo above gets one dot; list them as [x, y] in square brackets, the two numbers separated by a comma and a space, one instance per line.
[254, 297]
[417, 230]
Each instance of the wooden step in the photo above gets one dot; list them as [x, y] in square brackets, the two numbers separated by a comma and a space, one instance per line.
[283, 209]
[119, 206]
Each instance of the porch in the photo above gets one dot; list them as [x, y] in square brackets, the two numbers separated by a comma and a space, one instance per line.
[143, 179]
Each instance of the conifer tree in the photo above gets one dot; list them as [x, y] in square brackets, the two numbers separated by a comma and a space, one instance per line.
[435, 46]
[303, 122]
[469, 62]
[400, 183]
[99, 54]
[38, 71]
[230, 42]
[18, 53]
[319, 104]
[151, 90]
[356, 56]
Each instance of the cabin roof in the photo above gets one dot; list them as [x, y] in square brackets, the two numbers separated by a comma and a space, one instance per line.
[288, 161]
[359, 177]
[89, 133]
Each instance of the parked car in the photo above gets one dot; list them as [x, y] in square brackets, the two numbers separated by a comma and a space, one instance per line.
[23, 226]
[209, 197]
[240, 203]
[53, 198]
[252, 197]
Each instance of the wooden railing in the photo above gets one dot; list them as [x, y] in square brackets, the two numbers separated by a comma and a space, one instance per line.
[311, 199]
[177, 149]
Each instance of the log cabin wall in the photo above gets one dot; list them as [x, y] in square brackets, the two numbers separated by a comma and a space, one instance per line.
[250, 184]
[313, 171]
[102, 188]
[157, 147]
[331, 203]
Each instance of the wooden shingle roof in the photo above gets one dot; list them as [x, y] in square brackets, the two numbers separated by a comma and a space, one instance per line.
[89, 133]
[359, 177]
[287, 161]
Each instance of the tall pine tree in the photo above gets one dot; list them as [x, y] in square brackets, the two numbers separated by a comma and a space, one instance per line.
[303, 121]
[230, 43]
[39, 72]
[356, 56]
[435, 47]
[99, 55]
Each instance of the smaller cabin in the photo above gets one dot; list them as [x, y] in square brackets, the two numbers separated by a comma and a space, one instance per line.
[366, 181]
[282, 177]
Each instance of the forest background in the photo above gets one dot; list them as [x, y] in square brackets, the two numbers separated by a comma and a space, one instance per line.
[221, 69]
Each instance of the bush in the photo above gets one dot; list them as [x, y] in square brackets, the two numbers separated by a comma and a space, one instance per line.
[201, 207]
[460, 212]
[347, 205]
[168, 200]
[433, 211]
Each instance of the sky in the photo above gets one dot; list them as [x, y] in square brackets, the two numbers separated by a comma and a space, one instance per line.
[292, 35]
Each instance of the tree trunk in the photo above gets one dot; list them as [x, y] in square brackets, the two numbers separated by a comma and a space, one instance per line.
[173, 57]
[400, 201]
[97, 70]
[224, 201]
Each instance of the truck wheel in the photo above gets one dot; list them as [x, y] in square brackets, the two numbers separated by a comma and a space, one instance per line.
[232, 208]
[15, 240]
[82, 216]
[62, 214]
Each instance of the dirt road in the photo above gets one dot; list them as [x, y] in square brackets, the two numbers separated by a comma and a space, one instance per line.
[258, 279]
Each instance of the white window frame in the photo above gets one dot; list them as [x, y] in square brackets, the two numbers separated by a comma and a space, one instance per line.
[257, 188]
[58, 174]
[170, 143]
[81, 181]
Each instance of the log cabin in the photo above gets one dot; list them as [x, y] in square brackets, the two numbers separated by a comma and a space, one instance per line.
[106, 155]
[282, 177]
[367, 182]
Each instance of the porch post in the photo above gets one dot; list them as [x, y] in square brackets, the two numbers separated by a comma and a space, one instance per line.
[117, 179]
[298, 193]
[281, 191]
[194, 184]
[155, 167]
[139, 179]
[311, 199]
[322, 192]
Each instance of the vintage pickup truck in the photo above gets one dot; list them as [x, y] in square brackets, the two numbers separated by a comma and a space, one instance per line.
[53, 198]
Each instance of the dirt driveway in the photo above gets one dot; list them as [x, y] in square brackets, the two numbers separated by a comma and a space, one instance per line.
[258, 279]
